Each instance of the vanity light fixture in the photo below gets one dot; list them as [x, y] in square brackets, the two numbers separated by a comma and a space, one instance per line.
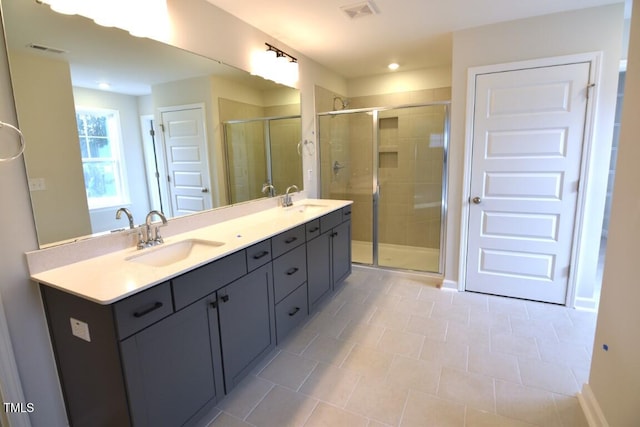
[275, 64]
[393, 66]
[141, 18]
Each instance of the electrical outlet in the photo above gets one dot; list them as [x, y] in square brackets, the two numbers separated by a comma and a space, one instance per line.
[37, 184]
[80, 329]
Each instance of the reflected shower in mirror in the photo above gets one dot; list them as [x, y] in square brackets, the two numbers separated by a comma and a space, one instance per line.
[262, 155]
[117, 121]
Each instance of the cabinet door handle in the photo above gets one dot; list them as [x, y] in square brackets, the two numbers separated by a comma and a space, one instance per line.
[291, 271]
[291, 240]
[224, 298]
[261, 255]
[154, 307]
[214, 304]
[294, 311]
[314, 229]
[334, 234]
[347, 213]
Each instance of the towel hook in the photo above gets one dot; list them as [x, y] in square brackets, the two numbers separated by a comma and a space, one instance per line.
[22, 144]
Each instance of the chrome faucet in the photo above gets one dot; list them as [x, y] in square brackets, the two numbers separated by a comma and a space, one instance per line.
[286, 199]
[267, 186]
[150, 240]
[127, 212]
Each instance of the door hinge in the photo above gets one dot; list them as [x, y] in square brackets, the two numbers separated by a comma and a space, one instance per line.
[152, 132]
[161, 127]
[168, 178]
[590, 86]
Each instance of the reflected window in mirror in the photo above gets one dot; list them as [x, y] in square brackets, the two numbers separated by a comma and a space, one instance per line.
[99, 135]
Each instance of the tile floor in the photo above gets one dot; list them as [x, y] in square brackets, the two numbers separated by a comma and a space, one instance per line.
[390, 350]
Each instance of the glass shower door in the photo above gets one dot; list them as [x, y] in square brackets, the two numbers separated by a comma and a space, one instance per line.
[347, 172]
[411, 157]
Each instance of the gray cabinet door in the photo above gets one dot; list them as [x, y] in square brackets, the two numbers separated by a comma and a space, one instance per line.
[169, 368]
[247, 325]
[341, 246]
[318, 268]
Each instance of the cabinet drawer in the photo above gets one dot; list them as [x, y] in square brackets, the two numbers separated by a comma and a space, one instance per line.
[258, 254]
[346, 213]
[141, 310]
[198, 283]
[291, 311]
[330, 220]
[313, 229]
[289, 271]
[288, 240]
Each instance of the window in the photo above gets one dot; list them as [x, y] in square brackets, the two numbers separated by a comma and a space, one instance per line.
[102, 162]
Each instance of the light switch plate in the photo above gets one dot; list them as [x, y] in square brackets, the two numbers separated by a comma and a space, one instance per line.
[80, 329]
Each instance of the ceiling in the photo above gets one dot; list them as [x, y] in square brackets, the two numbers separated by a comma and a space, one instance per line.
[414, 33]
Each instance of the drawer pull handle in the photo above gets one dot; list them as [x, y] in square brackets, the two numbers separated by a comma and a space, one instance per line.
[224, 298]
[292, 271]
[347, 213]
[261, 255]
[294, 311]
[291, 240]
[334, 234]
[154, 307]
[314, 229]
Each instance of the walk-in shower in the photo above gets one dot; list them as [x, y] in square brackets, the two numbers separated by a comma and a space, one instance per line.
[262, 152]
[392, 163]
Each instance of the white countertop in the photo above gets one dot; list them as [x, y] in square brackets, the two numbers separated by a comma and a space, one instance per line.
[108, 278]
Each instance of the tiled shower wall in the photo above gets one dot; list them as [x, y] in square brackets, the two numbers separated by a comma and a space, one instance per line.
[410, 167]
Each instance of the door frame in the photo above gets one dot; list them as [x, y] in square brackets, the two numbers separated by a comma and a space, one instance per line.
[10, 385]
[595, 61]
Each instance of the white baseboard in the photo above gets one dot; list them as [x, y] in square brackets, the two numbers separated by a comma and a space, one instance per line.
[450, 284]
[587, 304]
[591, 408]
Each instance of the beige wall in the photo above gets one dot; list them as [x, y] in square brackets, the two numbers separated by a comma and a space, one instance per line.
[588, 30]
[47, 118]
[615, 374]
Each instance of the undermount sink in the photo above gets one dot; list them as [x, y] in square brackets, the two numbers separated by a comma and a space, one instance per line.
[166, 254]
[305, 207]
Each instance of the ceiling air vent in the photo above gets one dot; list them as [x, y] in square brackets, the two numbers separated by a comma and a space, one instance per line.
[44, 48]
[360, 10]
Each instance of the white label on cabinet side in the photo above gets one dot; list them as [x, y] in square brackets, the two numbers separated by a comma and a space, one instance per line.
[80, 329]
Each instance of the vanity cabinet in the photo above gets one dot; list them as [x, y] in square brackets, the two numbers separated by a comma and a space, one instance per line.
[166, 355]
[247, 325]
[328, 254]
[172, 369]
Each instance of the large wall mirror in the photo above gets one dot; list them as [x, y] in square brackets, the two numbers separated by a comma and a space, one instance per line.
[153, 139]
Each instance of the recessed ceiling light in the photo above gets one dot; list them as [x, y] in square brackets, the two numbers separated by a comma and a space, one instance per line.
[104, 85]
[393, 66]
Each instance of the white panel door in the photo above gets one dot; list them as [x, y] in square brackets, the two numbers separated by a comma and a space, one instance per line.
[528, 131]
[187, 163]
